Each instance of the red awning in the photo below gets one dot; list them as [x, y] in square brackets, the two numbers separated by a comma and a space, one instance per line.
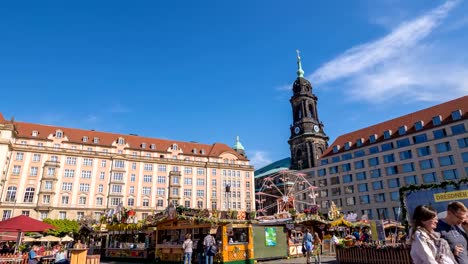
[24, 223]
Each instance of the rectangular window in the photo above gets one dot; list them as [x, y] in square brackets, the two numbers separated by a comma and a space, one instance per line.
[50, 171]
[187, 192]
[361, 176]
[404, 155]
[393, 183]
[373, 150]
[71, 161]
[120, 164]
[116, 188]
[103, 163]
[102, 175]
[373, 161]
[200, 193]
[67, 186]
[161, 191]
[379, 198]
[147, 178]
[402, 130]
[359, 153]
[446, 161]
[213, 173]
[391, 170]
[68, 173]
[463, 142]
[134, 165]
[419, 138]
[395, 196]
[389, 158]
[187, 181]
[440, 133]
[347, 156]
[48, 185]
[335, 180]
[148, 167]
[146, 191]
[430, 177]
[465, 156]
[375, 173]
[132, 177]
[458, 129]
[382, 213]
[424, 151]
[359, 164]
[118, 176]
[456, 115]
[322, 172]
[19, 156]
[387, 146]
[200, 171]
[16, 170]
[336, 191]
[162, 168]
[364, 199]
[335, 159]
[443, 147]
[46, 199]
[377, 185]
[347, 178]
[436, 120]
[419, 125]
[84, 187]
[100, 188]
[411, 180]
[450, 174]
[349, 189]
[346, 167]
[86, 174]
[36, 158]
[324, 162]
[82, 200]
[33, 171]
[407, 167]
[160, 203]
[333, 170]
[87, 162]
[403, 142]
[363, 187]
[65, 200]
[200, 182]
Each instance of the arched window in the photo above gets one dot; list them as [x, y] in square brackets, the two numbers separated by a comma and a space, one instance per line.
[29, 195]
[311, 111]
[11, 194]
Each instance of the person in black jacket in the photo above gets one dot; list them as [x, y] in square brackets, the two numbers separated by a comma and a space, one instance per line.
[200, 250]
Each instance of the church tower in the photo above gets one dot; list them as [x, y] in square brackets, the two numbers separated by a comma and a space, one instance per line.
[308, 140]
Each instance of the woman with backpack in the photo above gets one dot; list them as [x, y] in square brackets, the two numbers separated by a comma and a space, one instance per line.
[210, 248]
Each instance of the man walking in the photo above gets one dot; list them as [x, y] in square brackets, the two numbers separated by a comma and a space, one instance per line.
[449, 229]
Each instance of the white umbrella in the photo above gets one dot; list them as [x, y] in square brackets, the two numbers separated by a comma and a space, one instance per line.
[66, 239]
[29, 239]
[49, 239]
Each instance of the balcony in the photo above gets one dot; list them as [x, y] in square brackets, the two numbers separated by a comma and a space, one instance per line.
[51, 163]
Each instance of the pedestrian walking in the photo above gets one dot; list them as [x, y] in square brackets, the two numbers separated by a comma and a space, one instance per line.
[188, 249]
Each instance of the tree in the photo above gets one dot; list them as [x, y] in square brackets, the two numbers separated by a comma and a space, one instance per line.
[64, 227]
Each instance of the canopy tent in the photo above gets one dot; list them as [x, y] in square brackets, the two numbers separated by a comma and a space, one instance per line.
[49, 239]
[24, 223]
[66, 238]
[8, 236]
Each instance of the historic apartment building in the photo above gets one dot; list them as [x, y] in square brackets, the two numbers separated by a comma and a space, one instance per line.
[67, 173]
[362, 171]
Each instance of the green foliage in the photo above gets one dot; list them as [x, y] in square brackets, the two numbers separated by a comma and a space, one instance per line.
[64, 227]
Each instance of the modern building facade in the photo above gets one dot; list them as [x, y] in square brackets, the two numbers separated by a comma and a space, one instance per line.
[362, 171]
[57, 172]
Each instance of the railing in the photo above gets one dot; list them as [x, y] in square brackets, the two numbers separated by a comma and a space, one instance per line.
[371, 255]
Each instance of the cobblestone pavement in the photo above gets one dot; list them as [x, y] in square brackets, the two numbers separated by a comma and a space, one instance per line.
[300, 260]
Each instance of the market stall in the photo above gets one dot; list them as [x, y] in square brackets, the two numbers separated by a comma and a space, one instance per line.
[232, 233]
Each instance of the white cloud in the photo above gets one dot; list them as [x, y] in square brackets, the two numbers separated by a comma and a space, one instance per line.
[259, 159]
[400, 64]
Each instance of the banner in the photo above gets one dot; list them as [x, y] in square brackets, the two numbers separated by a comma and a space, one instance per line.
[438, 198]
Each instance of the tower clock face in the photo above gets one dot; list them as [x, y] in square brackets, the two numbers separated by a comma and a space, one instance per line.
[316, 128]
[297, 130]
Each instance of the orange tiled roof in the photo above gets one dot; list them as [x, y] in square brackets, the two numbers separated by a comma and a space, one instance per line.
[444, 110]
[25, 130]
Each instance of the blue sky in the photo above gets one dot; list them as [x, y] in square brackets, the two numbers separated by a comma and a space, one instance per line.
[208, 71]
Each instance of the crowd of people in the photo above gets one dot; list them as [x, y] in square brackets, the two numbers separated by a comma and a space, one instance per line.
[439, 241]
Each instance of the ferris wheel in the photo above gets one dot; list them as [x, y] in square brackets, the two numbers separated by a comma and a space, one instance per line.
[283, 190]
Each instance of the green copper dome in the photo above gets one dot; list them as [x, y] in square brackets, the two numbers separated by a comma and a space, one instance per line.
[238, 145]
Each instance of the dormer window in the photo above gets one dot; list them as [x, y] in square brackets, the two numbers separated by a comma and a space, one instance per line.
[96, 140]
[457, 115]
[373, 138]
[437, 120]
[336, 148]
[387, 134]
[35, 133]
[202, 152]
[143, 145]
[402, 130]
[359, 142]
[347, 145]
[58, 134]
[419, 125]
[152, 146]
[174, 147]
[85, 139]
[120, 141]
